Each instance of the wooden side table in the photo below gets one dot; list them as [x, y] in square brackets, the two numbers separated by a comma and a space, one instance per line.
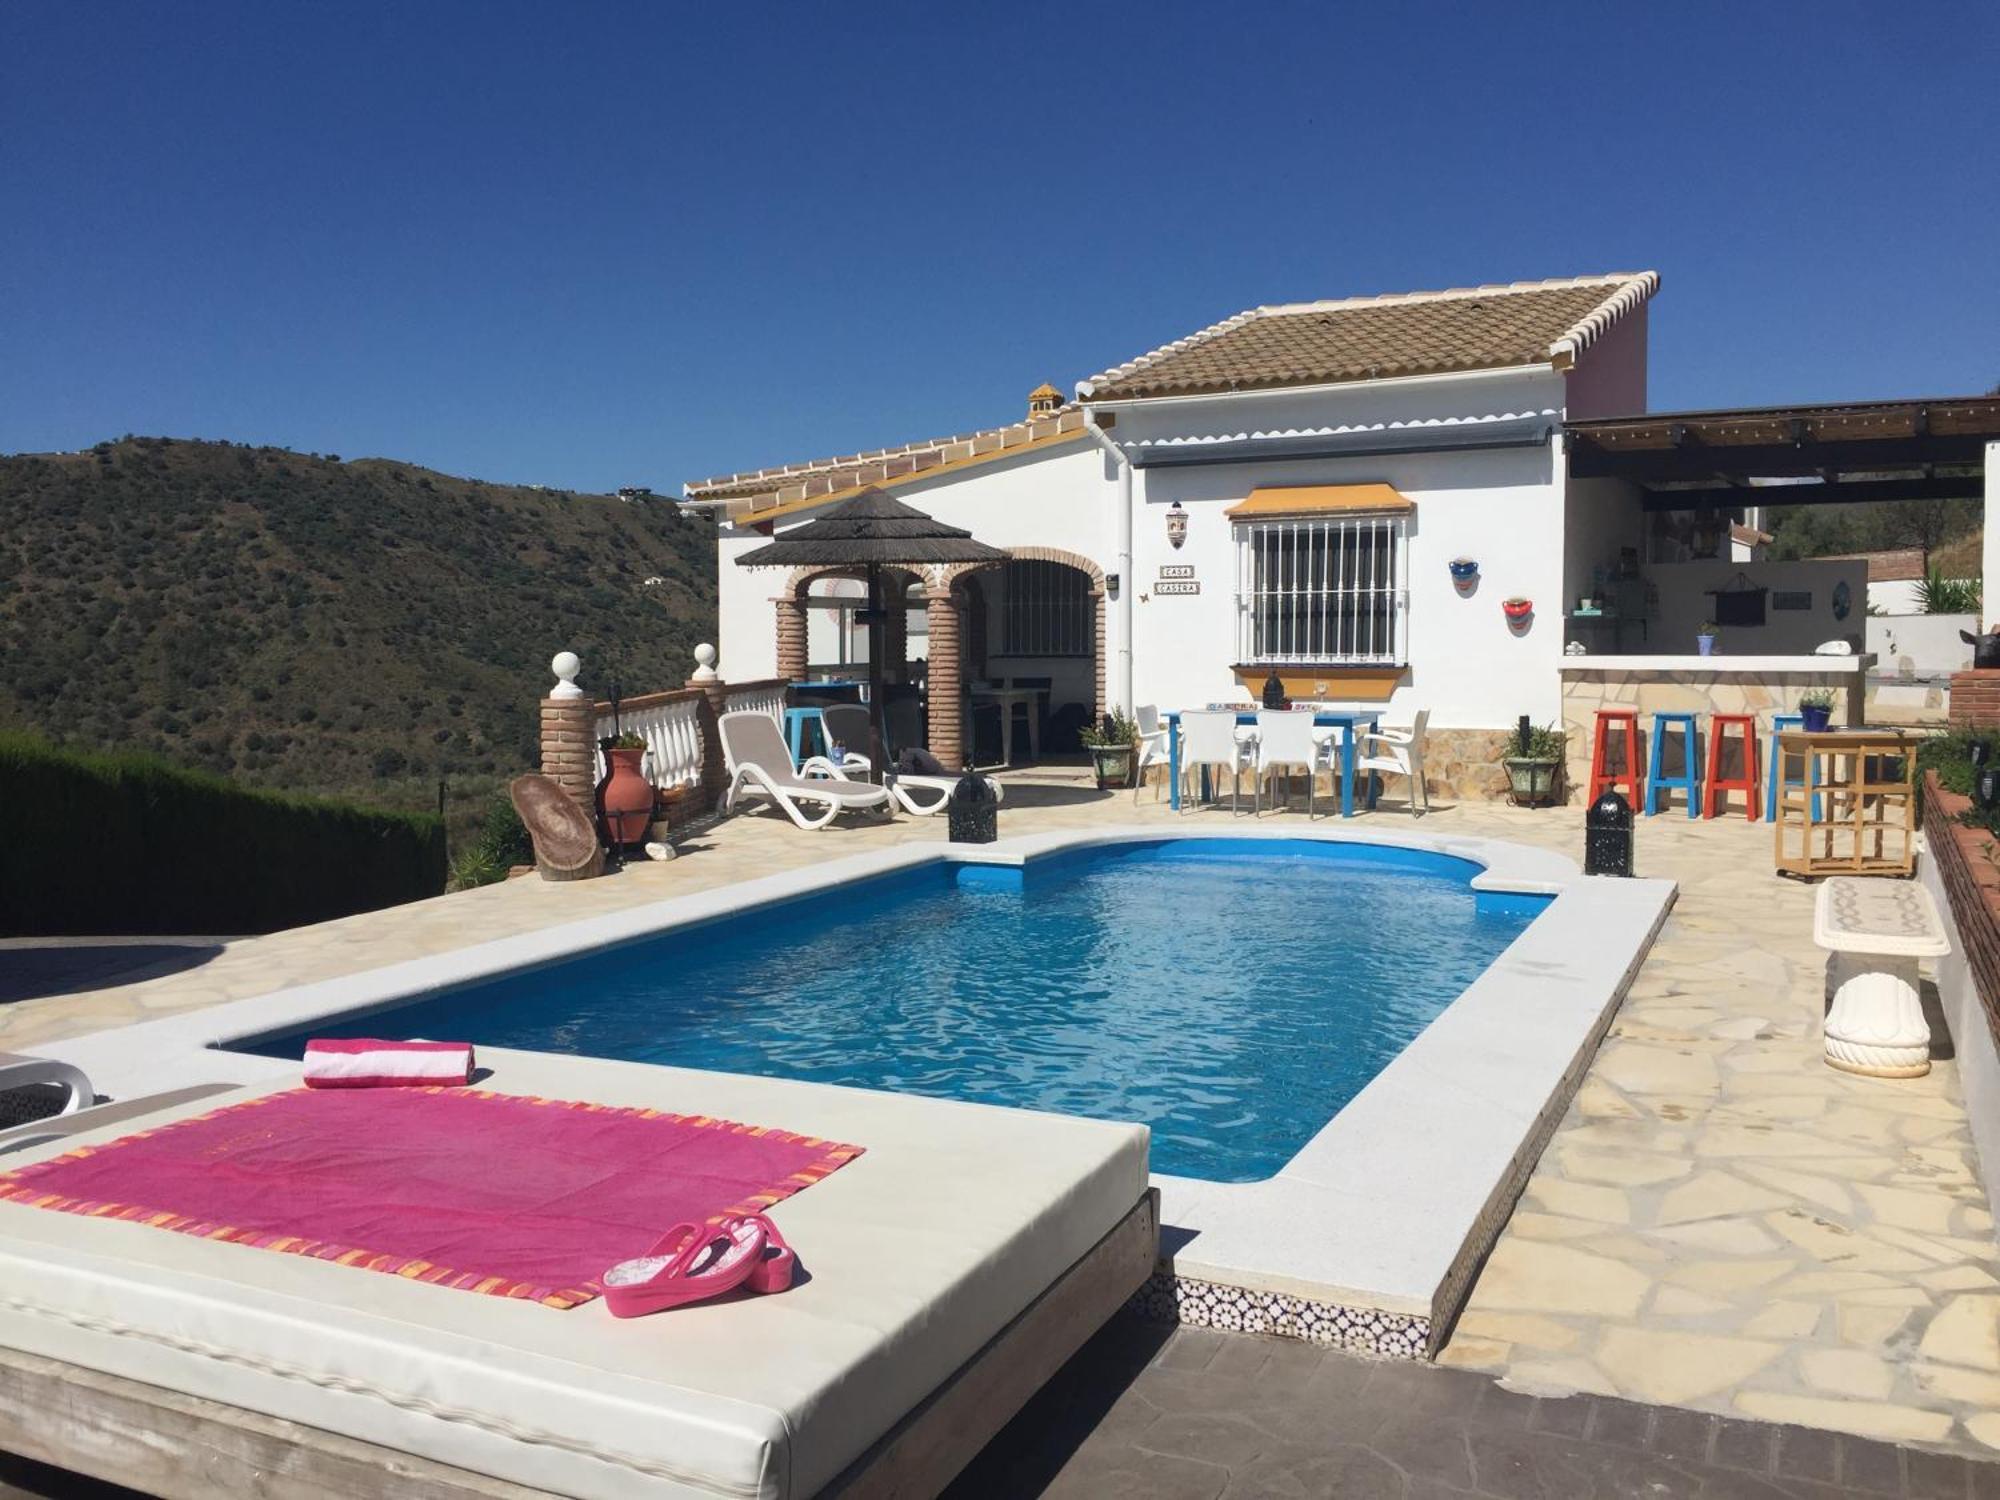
[1854, 812]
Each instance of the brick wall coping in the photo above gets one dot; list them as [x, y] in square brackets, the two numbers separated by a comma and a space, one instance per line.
[649, 700]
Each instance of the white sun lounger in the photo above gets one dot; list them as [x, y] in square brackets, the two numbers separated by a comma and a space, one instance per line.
[920, 796]
[947, 1273]
[19, 1072]
[760, 766]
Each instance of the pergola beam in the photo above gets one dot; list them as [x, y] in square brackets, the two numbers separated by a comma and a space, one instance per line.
[1838, 492]
[1696, 461]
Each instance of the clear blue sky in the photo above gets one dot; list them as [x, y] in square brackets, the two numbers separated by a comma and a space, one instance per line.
[587, 245]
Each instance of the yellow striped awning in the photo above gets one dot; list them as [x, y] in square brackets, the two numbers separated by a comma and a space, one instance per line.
[1272, 501]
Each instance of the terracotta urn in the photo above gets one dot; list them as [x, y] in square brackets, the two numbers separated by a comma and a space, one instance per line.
[625, 797]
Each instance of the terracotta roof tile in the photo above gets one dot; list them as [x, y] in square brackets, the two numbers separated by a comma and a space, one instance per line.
[1898, 566]
[1363, 338]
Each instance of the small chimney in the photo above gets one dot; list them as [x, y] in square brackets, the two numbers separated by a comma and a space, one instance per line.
[1044, 401]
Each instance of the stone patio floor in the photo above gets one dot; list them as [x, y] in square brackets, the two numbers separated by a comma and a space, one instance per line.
[1721, 1222]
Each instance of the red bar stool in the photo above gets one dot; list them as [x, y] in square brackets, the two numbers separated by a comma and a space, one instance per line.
[1625, 721]
[1746, 780]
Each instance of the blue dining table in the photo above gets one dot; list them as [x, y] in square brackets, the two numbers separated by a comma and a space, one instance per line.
[1346, 721]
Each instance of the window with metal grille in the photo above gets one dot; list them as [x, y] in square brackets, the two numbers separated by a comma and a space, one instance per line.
[1326, 589]
[1044, 610]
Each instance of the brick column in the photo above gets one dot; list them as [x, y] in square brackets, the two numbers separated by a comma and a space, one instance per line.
[947, 725]
[791, 639]
[569, 730]
[1975, 698]
[714, 700]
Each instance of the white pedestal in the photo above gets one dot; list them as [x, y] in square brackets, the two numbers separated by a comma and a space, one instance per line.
[1876, 1025]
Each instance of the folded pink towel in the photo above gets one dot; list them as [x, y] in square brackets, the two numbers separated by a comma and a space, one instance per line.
[363, 1063]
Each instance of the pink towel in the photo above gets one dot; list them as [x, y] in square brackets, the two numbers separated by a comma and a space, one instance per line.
[363, 1063]
[509, 1195]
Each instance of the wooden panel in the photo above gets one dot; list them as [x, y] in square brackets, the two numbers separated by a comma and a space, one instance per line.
[1332, 683]
[923, 1452]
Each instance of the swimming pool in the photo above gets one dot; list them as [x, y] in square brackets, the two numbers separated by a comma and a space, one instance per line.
[1233, 995]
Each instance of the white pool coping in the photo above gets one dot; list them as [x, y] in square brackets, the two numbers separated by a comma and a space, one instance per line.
[1390, 1206]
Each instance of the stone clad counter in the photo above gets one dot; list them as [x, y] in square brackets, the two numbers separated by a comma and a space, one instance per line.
[1760, 685]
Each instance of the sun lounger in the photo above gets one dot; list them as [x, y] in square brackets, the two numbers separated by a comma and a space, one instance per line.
[760, 766]
[39, 1074]
[919, 795]
[946, 1274]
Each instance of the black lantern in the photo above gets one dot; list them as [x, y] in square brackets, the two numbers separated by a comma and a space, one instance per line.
[1274, 691]
[974, 814]
[1986, 788]
[1607, 836]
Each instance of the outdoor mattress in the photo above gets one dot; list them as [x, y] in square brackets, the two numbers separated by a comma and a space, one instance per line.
[956, 1218]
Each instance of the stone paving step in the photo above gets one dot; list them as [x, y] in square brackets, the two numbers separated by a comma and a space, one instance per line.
[1191, 1414]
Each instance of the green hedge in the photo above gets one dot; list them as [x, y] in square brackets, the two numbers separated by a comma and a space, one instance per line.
[119, 843]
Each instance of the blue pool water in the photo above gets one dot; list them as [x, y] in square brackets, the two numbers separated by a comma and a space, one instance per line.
[1233, 997]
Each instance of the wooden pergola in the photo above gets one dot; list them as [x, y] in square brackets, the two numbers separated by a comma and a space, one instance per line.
[1947, 448]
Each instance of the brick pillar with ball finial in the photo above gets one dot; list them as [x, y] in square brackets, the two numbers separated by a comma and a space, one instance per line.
[569, 728]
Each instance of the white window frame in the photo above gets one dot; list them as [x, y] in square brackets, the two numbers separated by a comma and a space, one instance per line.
[1323, 590]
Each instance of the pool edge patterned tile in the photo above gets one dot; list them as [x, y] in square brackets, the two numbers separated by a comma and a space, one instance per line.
[1170, 1298]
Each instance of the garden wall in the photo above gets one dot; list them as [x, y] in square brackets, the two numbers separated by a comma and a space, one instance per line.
[1959, 871]
[101, 843]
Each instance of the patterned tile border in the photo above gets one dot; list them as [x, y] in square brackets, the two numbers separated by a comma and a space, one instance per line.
[1168, 1298]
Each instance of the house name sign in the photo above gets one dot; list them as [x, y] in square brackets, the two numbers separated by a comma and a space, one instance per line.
[1177, 578]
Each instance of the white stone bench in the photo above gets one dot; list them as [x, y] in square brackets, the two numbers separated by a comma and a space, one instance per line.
[1875, 931]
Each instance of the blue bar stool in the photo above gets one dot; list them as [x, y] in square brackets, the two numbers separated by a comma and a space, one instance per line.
[798, 721]
[1689, 781]
[1777, 777]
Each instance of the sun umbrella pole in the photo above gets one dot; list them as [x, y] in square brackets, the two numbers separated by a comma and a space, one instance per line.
[877, 639]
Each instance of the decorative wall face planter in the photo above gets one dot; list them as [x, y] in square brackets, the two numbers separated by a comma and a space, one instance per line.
[1517, 609]
[1464, 574]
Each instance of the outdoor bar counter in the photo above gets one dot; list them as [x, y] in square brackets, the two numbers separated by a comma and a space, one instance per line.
[1760, 685]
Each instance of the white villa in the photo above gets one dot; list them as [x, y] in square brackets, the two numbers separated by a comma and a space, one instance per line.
[1289, 490]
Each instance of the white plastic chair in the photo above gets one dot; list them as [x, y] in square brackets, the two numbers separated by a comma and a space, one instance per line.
[1398, 752]
[1287, 742]
[1153, 750]
[1210, 739]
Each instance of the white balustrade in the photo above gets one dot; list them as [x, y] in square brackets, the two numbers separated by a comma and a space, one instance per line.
[758, 697]
[672, 732]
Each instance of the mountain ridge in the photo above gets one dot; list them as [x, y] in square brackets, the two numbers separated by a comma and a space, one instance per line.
[357, 627]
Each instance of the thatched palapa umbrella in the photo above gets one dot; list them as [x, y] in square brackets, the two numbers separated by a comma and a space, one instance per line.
[872, 530]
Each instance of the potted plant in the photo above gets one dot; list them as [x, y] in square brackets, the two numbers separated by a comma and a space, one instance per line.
[1534, 770]
[1704, 638]
[1816, 708]
[1114, 749]
[624, 797]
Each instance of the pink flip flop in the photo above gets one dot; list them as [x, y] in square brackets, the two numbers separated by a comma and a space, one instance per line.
[777, 1265]
[689, 1263]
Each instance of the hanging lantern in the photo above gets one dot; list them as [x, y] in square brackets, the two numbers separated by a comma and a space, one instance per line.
[1607, 836]
[1274, 691]
[973, 816]
[1176, 526]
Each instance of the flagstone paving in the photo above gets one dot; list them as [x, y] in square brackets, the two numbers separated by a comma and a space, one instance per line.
[1720, 1222]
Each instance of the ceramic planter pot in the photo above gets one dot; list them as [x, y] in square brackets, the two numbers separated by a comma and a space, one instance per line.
[1113, 765]
[1533, 782]
[1816, 717]
[625, 797]
[1705, 644]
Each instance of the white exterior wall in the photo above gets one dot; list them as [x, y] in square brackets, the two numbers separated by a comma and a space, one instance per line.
[1926, 644]
[1510, 508]
[1500, 506]
[1895, 596]
[1057, 497]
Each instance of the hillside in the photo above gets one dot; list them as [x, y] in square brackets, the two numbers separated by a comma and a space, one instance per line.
[300, 622]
